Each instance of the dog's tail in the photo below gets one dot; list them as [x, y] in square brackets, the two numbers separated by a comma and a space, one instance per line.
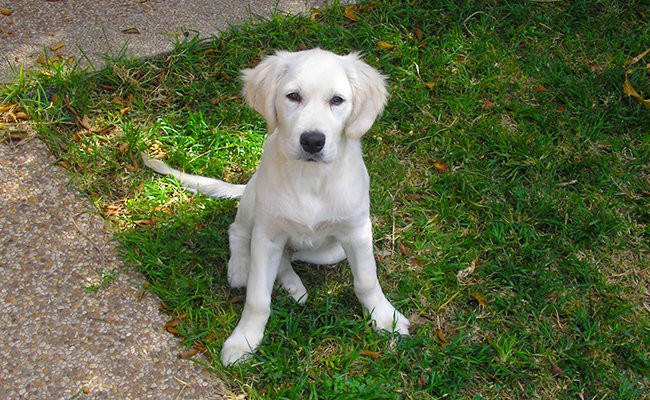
[194, 183]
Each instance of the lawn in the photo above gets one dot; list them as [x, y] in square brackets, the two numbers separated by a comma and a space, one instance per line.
[510, 189]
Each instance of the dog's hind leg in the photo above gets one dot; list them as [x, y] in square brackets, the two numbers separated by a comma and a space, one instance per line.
[240, 257]
[239, 236]
[290, 281]
[329, 253]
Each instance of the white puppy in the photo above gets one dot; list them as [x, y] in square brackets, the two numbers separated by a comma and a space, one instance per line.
[309, 199]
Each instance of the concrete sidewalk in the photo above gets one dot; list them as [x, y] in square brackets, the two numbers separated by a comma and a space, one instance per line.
[61, 341]
[92, 29]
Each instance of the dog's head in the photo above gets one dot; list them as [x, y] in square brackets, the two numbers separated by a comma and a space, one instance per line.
[314, 99]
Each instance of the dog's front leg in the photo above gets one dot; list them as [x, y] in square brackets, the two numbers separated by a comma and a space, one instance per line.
[266, 252]
[358, 247]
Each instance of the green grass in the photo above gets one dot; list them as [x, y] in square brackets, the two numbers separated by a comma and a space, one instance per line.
[522, 258]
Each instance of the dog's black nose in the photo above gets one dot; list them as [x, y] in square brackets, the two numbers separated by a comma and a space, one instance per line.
[312, 142]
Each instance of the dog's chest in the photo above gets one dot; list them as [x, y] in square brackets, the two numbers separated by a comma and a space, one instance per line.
[303, 239]
[310, 213]
[313, 219]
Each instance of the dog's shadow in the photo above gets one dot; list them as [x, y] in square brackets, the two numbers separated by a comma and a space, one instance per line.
[184, 258]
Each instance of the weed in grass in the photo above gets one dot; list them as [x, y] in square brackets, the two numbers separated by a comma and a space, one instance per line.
[509, 197]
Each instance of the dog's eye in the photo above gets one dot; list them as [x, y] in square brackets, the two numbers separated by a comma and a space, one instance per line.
[336, 100]
[295, 97]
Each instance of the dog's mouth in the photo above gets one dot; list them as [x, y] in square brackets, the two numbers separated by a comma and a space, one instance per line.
[312, 158]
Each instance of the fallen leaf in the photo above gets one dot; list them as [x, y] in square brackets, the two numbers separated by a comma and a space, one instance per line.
[85, 122]
[5, 12]
[629, 90]
[430, 85]
[106, 129]
[63, 165]
[123, 148]
[199, 346]
[21, 115]
[212, 337]
[172, 323]
[124, 111]
[423, 380]
[636, 59]
[72, 110]
[7, 107]
[440, 166]
[350, 14]
[404, 249]
[480, 299]
[87, 148]
[15, 135]
[189, 354]
[555, 370]
[135, 164]
[112, 209]
[414, 196]
[145, 222]
[464, 273]
[440, 335]
[131, 31]
[238, 298]
[488, 104]
[385, 45]
[315, 14]
[372, 354]
[166, 210]
[119, 101]
[172, 330]
[416, 322]
[57, 46]
[418, 263]
[419, 34]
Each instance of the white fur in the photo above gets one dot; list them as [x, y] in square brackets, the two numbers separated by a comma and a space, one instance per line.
[296, 209]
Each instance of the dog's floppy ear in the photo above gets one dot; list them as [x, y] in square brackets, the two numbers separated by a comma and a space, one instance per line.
[370, 95]
[260, 85]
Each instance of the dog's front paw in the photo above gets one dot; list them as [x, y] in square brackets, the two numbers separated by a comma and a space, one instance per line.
[237, 349]
[387, 318]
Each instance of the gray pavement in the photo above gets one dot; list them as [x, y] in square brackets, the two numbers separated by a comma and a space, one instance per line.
[60, 340]
[91, 29]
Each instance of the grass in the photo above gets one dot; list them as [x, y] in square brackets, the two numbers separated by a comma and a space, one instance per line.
[509, 192]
